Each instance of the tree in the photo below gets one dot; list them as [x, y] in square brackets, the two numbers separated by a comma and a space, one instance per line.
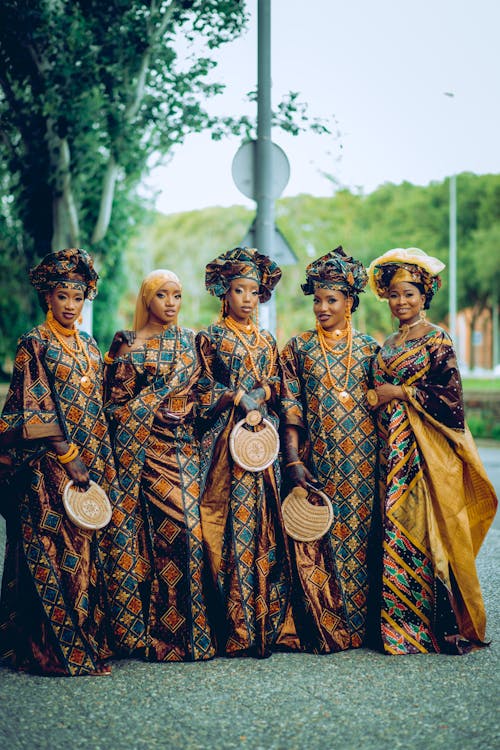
[90, 93]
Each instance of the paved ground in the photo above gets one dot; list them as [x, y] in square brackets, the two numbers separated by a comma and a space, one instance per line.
[355, 700]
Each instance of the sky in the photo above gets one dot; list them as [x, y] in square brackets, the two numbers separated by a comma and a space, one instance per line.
[380, 71]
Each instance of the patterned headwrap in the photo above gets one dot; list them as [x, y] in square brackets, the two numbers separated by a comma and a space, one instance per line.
[405, 264]
[59, 269]
[336, 270]
[153, 281]
[242, 262]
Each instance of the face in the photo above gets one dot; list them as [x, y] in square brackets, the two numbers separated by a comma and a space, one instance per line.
[330, 306]
[405, 301]
[66, 305]
[165, 305]
[242, 299]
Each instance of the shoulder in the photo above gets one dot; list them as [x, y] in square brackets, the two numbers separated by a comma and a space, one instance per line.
[365, 341]
[37, 337]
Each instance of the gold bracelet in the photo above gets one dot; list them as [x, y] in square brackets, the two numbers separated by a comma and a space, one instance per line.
[267, 391]
[293, 463]
[372, 396]
[107, 359]
[70, 454]
[239, 395]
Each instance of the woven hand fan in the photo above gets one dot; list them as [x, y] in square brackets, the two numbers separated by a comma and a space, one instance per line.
[89, 509]
[254, 450]
[304, 521]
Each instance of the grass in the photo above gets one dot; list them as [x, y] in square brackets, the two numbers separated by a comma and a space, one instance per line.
[481, 384]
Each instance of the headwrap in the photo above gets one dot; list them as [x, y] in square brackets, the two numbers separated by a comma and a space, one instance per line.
[242, 262]
[153, 281]
[405, 264]
[335, 270]
[59, 269]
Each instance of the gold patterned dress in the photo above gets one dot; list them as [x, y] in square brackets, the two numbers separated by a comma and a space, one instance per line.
[437, 503]
[55, 605]
[241, 512]
[159, 469]
[339, 447]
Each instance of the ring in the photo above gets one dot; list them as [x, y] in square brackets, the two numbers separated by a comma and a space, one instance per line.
[371, 397]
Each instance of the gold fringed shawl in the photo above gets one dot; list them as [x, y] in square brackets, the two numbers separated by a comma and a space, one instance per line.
[464, 504]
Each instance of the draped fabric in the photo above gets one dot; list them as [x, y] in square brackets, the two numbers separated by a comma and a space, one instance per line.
[54, 609]
[240, 510]
[437, 503]
[159, 468]
[338, 446]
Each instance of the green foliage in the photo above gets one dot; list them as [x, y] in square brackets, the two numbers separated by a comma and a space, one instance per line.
[366, 226]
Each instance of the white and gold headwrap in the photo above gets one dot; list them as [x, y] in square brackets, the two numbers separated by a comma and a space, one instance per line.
[153, 281]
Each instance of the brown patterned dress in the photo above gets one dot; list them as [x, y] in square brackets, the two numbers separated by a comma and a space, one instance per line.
[159, 469]
[241, 510]
[339, 447]
[55, 609]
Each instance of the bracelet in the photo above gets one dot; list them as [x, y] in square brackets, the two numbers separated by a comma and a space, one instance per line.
[70, 454]
[239, 395]
[267, 391]
[293, 463]
[107, 359]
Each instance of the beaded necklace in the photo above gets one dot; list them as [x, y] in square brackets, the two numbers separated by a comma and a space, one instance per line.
[241, 332]
[325, 347]
[59, 331]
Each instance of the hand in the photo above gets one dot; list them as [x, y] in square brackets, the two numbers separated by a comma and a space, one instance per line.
[78, 472]
[121, 337]
[388, 392]
[299, 475]
[258, 395]
[248, 403]
[167, 417]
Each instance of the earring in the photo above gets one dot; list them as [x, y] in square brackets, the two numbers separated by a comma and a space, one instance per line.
[80, 320]
[422, 315]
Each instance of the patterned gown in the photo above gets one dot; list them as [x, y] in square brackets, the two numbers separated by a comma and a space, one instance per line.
[55, 609]
[437, 503]
[159, 471]
[338, 446]
[241, 512]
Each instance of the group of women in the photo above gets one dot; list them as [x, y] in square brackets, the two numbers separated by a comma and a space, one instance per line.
[196, 560]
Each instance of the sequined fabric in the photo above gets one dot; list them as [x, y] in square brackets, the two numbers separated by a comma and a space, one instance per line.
[437, 503]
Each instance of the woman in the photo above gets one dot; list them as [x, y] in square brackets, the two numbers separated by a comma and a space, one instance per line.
[241, 514]
[437, 502]
[151, 404]
[53, 429]
[330, 442]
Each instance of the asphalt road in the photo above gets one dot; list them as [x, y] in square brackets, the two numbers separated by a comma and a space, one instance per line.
[354, 700]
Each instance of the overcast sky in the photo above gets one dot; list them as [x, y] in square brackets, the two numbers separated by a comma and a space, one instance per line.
[381, 69]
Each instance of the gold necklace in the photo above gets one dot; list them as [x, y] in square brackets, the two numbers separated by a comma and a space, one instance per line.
[341, 390]
[237, 330]
[58, 331]
[404, 330]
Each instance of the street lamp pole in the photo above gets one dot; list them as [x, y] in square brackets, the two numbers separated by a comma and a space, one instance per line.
[453, 261]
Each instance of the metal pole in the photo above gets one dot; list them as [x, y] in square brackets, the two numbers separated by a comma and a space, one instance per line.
[453, 263]
[264, 221]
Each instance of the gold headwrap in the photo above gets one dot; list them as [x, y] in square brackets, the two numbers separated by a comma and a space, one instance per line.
[405, 264]
[153, 281]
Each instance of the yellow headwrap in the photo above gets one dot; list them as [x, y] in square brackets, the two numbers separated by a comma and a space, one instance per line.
[153, 281]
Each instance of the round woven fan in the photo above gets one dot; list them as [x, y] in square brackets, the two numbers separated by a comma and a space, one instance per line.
[89, 509]
[304, 521]
[254, 449]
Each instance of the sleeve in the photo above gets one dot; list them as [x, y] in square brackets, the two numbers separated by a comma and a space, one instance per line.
[211, 391]
[30, 412]
[439, 392]
[291, 386]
